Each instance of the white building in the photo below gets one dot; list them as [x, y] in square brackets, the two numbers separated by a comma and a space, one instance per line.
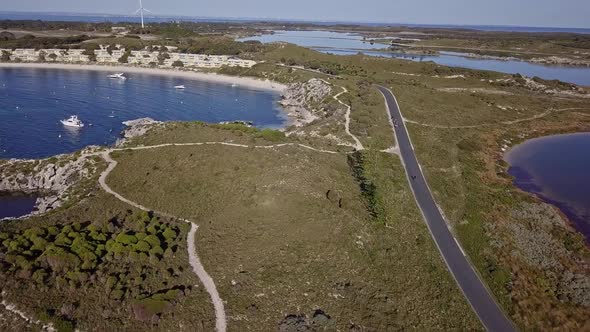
[25, 54]
[142, 58]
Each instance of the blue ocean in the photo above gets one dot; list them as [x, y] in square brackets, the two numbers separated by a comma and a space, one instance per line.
[33, 101]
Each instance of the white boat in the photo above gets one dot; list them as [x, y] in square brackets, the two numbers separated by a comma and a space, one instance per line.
[234, 85]
[73, 121]
[179, 87]
[118, 75]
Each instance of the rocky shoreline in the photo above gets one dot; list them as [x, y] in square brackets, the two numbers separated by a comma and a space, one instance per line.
[52, 179]
[299, 98]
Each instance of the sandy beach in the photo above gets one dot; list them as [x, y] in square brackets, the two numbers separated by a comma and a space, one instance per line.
[247, 82]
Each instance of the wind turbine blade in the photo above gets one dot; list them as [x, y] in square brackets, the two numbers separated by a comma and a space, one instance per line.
[149, 11]
[137, 11]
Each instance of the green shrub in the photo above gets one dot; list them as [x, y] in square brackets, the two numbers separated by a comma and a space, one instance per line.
[111, 282]
[152, 229]
[169, 234]
[117, 294]
[62, 240]
[272, 135]
[100, 237]
[80, 246]
[62, 325]
[153, 240]
[142, 246]
[52, 230]
[157, 250]
[126, 239]
[61, 260]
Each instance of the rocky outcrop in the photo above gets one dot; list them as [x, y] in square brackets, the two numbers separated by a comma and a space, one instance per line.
[299, 99]
[50, 178]
[136, 128]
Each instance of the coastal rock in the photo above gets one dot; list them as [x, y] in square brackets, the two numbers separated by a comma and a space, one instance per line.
[52, 178]
[136, 128]
[299, 99]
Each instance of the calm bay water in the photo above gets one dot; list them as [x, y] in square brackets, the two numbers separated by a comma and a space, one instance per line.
[349, 44]
[557, 169]
[33, 101]
[16, 206]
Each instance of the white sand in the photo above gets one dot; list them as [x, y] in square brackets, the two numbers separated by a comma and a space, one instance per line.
[247, 82]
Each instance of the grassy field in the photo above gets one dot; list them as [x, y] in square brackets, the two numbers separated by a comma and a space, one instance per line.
[287, 232]
[297, 238]
[459, 120]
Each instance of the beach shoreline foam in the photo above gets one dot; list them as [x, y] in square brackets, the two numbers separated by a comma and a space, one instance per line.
[248, 82]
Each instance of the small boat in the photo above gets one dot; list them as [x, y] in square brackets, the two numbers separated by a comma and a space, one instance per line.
[118, 75]
[234, 85]
[180, 87]
[73, 121]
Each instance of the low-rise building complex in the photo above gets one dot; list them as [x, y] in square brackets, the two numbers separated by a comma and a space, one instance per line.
[164, 57]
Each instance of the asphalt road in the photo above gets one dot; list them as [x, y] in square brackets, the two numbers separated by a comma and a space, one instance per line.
[473, 288]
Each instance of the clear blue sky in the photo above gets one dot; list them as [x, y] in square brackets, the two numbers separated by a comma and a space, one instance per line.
[549, 13]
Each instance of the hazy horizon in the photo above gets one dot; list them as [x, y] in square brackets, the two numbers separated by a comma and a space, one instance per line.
[153, 15]
[530, 13]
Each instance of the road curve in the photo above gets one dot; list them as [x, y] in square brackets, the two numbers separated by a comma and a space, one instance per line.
[473, 288]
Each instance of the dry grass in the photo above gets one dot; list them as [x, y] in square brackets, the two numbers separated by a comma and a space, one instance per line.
[276, 245]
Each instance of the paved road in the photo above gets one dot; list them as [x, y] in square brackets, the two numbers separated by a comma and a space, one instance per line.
[481, 300]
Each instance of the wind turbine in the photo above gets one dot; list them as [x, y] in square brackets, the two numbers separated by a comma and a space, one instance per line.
[140, 11]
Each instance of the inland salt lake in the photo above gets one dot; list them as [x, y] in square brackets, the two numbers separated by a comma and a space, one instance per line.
[556, 169]
[340, 43]
[33, 101]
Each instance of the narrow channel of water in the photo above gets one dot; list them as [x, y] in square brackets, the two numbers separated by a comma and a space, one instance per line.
[556, 169]
[576, 75]
[350, 44]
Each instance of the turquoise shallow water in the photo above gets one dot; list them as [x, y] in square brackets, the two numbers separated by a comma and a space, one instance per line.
[33, 101]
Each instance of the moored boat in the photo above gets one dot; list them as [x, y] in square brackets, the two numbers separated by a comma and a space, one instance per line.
[73, 121]
[118, 76]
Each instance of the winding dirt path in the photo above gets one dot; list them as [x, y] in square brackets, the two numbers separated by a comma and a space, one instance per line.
[357, 144]
[220, 319]
[198, 269]
[226, 144]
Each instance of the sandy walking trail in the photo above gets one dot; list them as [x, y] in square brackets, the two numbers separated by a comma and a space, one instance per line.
[198, 269]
